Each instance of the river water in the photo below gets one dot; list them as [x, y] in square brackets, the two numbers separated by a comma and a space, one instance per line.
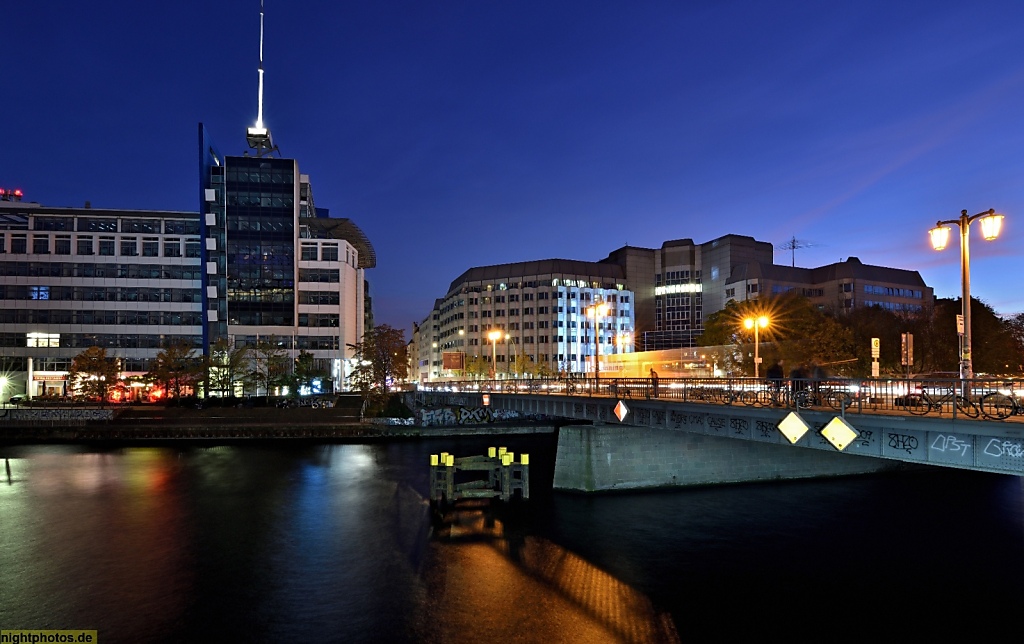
[335, 543]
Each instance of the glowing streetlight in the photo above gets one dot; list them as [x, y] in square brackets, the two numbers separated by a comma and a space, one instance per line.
[494, 336]
[596, 312]
[623, 339]
[990, 225]
[756, 324]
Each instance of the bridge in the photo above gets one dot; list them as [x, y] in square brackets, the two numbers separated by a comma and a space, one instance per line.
[641, 433]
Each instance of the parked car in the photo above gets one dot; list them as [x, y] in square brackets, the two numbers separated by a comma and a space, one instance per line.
[16, 399]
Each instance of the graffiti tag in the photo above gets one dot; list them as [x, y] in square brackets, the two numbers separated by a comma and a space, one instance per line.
[943, 443]
[998, 448]
[903, 442]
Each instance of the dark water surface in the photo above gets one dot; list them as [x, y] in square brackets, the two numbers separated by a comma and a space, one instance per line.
[335, 543]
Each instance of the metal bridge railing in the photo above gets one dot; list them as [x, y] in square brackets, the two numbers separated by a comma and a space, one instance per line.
[990, 399]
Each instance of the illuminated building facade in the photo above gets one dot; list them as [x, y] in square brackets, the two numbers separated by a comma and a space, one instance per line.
[546, 308]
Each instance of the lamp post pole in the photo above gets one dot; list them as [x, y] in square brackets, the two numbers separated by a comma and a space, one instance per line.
[990, 225]
[515, 353]
[597, 311]
[494, 336]
[756, 323]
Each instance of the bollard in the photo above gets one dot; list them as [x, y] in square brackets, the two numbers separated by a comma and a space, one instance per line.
[433, 460]
[502, 450]
[492, 452]
[524, 459]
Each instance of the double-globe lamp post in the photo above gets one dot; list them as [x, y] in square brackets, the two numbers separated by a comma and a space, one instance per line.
[756, 323]
[990, 225]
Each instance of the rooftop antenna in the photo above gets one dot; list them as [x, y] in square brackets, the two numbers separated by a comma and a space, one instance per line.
[258, 137]
[792, 244]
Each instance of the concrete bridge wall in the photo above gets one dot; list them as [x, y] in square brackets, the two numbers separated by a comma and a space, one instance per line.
[594, 458]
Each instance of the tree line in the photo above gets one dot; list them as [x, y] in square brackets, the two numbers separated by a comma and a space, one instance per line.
[179, 370]
[800, 333]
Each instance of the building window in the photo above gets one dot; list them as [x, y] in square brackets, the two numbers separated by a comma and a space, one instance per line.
[129, 247]
[172, 247]
[41, 244]
[106, 246]
[329, 253]
[62, 245]
[150, 247]
[308, 253]
[84, 245]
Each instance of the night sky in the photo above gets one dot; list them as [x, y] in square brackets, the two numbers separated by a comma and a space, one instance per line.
[461, 134]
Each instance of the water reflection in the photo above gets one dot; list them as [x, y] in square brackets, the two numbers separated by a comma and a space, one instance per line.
[491, 580]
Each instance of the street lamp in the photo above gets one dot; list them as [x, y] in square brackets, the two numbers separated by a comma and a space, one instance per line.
[596, 312]
[622, 339]
[756, 324]
[990, 225]
[494, 336]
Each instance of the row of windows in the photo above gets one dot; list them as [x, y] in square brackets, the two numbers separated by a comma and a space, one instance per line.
[895, 306]
[99, 294]
[259, 295]
[322, 275]
[892, 291]
[58, 316]
[110, 225]
[130, 271]
[319, 297]
[254, 175]
[328, 253]
[86, 245]
[106, 340]
[317, 342]
[572, 295]
[319, 319]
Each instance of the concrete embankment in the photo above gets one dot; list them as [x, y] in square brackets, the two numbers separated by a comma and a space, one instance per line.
[159, 425]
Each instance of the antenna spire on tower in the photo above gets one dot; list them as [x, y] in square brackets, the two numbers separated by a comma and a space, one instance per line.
[258, 137]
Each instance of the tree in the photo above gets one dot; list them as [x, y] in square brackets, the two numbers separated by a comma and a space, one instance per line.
[268, 366]
[305, 372]
[227, 365]
[381, 360]
[177, 369]
[92, 374]
[797, 333]
[478, 366]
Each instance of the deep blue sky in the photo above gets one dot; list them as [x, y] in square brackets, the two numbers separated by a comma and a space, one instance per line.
[460, 134]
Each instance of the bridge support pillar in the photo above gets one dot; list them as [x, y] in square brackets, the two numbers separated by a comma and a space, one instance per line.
[594, 458]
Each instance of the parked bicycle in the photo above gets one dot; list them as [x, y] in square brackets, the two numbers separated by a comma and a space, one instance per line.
[924, 403]
[999, 406]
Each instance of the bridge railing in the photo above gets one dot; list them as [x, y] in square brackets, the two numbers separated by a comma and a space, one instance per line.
[993, 399]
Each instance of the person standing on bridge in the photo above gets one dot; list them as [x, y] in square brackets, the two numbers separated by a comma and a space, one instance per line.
[775, 375]
[654, 383]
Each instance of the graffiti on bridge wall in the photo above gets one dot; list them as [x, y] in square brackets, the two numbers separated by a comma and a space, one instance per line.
[446, 416]
[56, 415]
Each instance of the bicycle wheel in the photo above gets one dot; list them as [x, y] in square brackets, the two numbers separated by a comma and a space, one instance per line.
[996, 406]
[748, 398]
[966, 407]
[838, 400]
[802, 398]
[764, 398]
[916, 404]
